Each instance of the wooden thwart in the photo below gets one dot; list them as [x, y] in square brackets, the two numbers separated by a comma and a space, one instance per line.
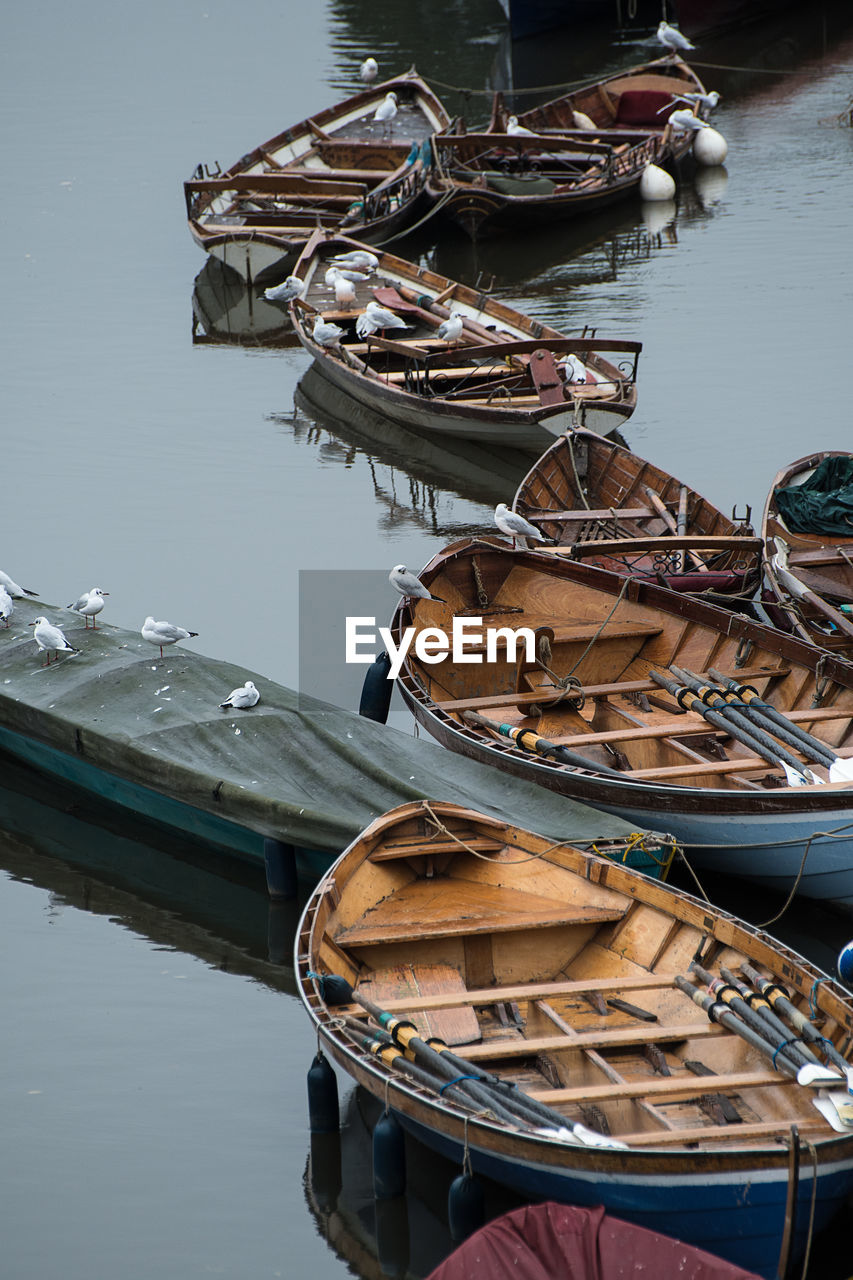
[454, 1026]
[665, 1090]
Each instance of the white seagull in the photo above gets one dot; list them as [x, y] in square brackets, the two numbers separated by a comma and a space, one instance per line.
[513, 127]
[450, 330]
[386, 110]
[685, 122]
[12, 587]
[343, 286]
[6, 606]
[574, 369]
[325, 333]
[338, 270]
[410, 586]
[50, 639]
[515, 526]
[706, 100]
[90, 604]
[243, 698]
[292, 288]
[357, 260]
[369, 70]
[374, 317]
[672, 39]
[161, 633]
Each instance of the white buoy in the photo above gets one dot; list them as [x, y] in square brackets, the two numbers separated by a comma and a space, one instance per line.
[656, 184]
[710, 147]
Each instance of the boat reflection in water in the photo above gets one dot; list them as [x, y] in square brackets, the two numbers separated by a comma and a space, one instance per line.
[226, 310]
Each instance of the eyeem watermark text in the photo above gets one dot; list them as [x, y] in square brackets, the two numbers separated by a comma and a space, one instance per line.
[468, 641]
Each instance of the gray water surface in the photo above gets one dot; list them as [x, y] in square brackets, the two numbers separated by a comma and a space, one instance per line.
[153, 1099]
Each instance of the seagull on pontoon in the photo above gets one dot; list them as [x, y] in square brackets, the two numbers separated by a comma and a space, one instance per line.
[410, 586]
[369, 70]
[515, 526]
[161, 633]
[686, 122]
[90, 604]
[292, 288]
[326, 333]
[386, 111]
[450, 330]
[376, 319]
[7, 608]
[50, 639]
[356, 260]
[513, 127]
[243, 698]
[706, 100]
[12, 587]
[672, 39]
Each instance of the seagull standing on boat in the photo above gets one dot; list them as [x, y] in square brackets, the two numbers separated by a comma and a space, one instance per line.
[356, 260]
[686, 122]
[514, 128]
[243, 698]
[375, 319]
[672, 39]
[12, 587]
[90, 604]
[515, 526]
[50, 639]
[573, 368]
[450, 330]
[161, 633]
[325, 333]
[6, 606]
[343, 286]
[369, 70]
[386, 111]
[335, 270]
[292, 288]
[706, 100]
[409, 586]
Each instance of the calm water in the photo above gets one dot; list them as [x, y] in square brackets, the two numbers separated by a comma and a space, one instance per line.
[153, 1102]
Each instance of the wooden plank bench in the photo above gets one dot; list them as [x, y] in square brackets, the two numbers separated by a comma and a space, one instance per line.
[536, 991]
[428, 847]
[420, 908]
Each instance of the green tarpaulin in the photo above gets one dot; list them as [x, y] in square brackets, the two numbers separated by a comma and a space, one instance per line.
[823, 503]
[293, 768]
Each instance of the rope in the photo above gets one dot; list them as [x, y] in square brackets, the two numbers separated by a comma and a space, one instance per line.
[810, 1234]
[581, 489]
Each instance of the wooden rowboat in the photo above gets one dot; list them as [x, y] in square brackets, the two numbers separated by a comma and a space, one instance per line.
[599, 502]
[499, 383]
[808, 534]
[591, 683]
[564, 981]
[494, 181]
[339, 168]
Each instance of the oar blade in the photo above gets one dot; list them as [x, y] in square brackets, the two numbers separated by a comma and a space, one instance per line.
[815, 1075]
[841, 770]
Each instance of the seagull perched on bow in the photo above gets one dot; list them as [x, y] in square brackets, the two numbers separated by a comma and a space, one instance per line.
[450, 330]
[12, 587]
[90, 604]
[50, 639]
[7, 608]
[515, 526]
[369, 70]
[292, 288]
[356, 260]
[161, 633]
[686, 122]
[386, 111]
[375, 318]
[573, 368]
[243, 698]
[410, 586]
[513, 127]
[325, 333]
[672, 39]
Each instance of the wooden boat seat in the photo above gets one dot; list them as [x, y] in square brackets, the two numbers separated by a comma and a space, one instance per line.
[454, 1025]
[428, 847]
[582, 632]
[418, 909]
[581, 515]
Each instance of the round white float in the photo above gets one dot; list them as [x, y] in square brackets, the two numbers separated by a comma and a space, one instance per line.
[710, 147]
[656, 184]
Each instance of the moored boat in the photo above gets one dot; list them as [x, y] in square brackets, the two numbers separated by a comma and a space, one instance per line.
[339, 168]
[599, 502]
[541, 1014]
[808, 534]
[499, 381]
[596, 691]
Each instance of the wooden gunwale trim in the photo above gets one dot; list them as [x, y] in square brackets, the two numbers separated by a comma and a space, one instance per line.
[738, 1135]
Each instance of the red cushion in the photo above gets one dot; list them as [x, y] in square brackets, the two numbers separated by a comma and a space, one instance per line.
[641, 106]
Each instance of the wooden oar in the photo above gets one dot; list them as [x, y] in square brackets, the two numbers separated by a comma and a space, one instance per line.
[779, 999]
[729, 994]
[532, 742]
[799, 591]
[762, 1007]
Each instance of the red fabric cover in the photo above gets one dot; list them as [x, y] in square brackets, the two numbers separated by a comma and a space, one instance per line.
[546, 1241]
[641, 106]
